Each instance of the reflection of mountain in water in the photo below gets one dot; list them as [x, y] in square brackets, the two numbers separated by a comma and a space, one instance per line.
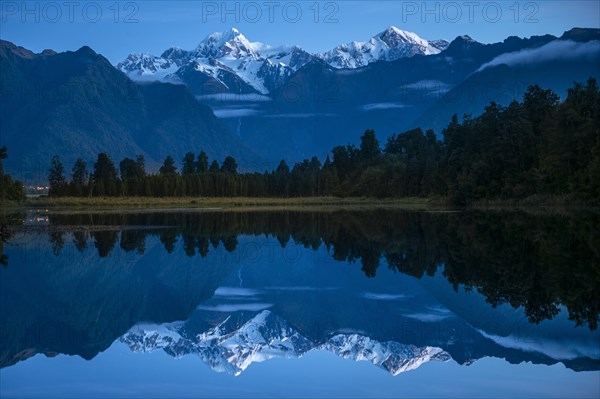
[266, 336]
[395, 329]
[529, 280]
[535, 262]
[78, 303]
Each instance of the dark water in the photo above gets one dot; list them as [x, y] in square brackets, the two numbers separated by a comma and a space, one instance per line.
[300, 304]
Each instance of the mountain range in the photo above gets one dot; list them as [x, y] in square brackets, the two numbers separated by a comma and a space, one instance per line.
[286, 103]
[261, 104]
[229, 62]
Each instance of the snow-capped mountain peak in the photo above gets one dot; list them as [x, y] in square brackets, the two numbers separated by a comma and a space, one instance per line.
[144, 66]
[174, 53]
[229, 60]
[389, 45]
[229, 43]
[394, 37]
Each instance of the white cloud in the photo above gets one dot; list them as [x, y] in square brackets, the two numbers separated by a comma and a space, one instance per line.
[428, 84]
[556, 50]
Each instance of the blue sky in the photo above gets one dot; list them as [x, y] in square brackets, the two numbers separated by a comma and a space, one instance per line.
[116, 28]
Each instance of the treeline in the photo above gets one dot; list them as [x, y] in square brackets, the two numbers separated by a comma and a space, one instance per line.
[10, 189]
[537, 146]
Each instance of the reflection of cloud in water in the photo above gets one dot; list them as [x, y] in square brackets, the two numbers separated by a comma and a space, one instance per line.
[301, 288]
[308, 115]
[427, 317]
[234, 291]
[431, 314]
[234, 113]
[251, 97]
[563, 350]
[384, 297]
[439, 309]
[235, 307]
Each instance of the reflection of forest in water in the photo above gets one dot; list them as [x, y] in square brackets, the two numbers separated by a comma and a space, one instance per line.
[535, 262]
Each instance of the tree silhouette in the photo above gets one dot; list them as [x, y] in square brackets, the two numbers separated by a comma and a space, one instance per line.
[104, 176]
[56, 177]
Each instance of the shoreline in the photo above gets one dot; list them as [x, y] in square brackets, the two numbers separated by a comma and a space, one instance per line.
[218, 203]
[541, 204]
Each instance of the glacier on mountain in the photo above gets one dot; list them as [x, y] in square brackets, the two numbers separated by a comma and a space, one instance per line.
[229, 56]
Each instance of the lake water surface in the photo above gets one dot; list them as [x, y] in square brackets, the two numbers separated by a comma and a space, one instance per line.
[377, 303]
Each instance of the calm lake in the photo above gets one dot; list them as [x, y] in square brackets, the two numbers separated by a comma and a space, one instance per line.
[380, 303]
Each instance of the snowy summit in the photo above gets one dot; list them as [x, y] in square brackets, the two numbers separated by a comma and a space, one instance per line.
[389, 45]
[230, 58]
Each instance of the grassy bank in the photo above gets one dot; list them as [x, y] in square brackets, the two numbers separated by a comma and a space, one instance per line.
[544, 204]
[229, 203]
[539, 204]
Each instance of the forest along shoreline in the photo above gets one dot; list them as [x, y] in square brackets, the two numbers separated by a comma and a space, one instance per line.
[536, 154]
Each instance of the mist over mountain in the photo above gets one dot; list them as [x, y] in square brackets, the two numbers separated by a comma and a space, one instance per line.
[261, 104]
[286, 103]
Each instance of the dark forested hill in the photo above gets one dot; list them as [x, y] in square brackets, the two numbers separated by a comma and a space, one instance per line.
[76, 104]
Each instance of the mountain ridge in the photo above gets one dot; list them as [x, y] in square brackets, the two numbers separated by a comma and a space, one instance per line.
[263, 67]
[336, 105]
[327, 106]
